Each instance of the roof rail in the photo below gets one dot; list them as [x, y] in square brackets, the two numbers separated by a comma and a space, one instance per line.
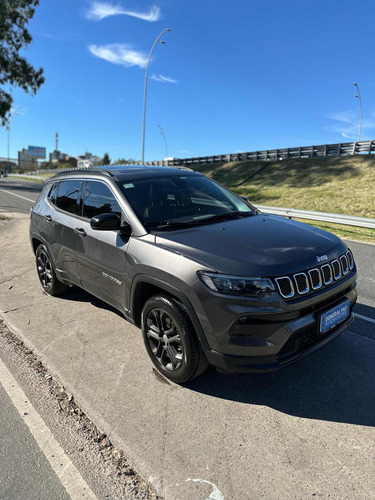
[181, 167]
[86, 170]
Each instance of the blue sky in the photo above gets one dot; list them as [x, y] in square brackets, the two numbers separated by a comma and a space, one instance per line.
[233, 76]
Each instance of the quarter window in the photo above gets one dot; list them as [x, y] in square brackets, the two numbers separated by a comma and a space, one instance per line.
[53, 193]
[69, 196]
[99, 199]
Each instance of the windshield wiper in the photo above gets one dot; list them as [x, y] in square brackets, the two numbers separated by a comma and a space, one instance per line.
[176, 225]
[196, 222]
[227, 215]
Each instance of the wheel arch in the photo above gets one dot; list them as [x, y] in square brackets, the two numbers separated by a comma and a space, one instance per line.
[35, 242]
[144, 287]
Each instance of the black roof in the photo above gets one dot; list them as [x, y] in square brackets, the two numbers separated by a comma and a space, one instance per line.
[126, 172]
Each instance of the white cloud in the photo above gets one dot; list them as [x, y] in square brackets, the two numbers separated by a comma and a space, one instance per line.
[184, 151]
[118, 53]
[19, 110]
[164, 79]
[100, 10]
[347, 123]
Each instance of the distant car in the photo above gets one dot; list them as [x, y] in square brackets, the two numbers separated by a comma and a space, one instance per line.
[205, 275]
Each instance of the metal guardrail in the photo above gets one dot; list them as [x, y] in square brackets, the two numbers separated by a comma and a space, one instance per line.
[322, 151]
[347, 220]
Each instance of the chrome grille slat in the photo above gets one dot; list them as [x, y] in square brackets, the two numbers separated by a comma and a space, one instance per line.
[315, 278]
[344, 265]
[285, 286]
[302, 284]
[349, 256]
[327, 274]
[336, 269]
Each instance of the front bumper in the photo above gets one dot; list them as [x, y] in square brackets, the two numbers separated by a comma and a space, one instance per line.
[253, 364]
[279, 340]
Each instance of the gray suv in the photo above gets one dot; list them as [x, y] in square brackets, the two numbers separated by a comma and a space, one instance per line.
[207, 277]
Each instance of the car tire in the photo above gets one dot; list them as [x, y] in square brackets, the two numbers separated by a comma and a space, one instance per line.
[46, 273]
[170, 339]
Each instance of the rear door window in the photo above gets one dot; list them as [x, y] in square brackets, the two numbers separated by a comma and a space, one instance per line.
[99, 199]
[69, 196]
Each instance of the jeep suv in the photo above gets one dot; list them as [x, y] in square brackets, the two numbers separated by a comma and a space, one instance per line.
[207, 277]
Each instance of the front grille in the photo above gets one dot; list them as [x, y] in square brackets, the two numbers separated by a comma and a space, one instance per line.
[313, 279]
[285, 287]
[336, 269]
[301, 282]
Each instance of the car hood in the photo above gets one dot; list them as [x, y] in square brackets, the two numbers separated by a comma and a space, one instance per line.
[261, 245]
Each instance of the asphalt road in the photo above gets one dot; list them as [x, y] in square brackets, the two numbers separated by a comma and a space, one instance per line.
[307, 430]
[25, 472]
[18, 196]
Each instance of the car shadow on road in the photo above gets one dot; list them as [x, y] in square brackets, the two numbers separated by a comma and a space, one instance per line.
[335, 384]
[77, 294]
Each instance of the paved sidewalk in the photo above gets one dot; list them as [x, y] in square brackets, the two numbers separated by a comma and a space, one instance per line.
[301, 432]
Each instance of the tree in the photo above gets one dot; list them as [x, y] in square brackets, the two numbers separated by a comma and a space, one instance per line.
[106, 159]
[124, 161]
[15, 70]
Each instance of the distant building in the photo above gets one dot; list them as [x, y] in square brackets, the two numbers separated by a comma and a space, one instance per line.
[83, 163]
[58, 156]
[88, 160]
[25, 161]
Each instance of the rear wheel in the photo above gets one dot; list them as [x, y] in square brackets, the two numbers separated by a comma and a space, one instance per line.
[46, 273]
[170, 339]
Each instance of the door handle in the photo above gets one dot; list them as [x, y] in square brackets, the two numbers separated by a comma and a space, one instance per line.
[80, 231]
[48, 218]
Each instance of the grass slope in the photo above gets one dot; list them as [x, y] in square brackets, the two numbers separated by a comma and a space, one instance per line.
[344, 185]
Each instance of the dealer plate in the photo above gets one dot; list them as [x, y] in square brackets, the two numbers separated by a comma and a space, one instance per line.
[334, 316]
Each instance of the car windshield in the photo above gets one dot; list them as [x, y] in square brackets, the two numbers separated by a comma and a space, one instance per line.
[179, 201]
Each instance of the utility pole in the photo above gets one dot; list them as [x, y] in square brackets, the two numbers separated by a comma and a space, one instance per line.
[358, 96]
[8, 129]
[165, 141]
[145, 91]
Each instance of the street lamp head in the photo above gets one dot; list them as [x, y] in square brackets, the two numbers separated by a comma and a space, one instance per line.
[168, 29]
[163, 42]
[356, 84]
[356, 95]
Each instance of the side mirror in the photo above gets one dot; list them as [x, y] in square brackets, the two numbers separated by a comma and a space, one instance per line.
[126, 229]
[106, 222]
[245, 198]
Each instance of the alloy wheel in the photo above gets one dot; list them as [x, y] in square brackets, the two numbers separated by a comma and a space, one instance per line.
[44, 269]
[164, 339]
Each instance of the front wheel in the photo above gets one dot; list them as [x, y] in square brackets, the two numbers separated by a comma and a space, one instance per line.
[170, 339]
[46, 273]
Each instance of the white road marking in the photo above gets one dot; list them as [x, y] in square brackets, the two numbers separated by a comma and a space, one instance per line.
[364, 317]
[19, 196]
[216, 493]
[69, 476]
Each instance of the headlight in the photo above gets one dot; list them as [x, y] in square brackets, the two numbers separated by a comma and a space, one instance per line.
[236, 285]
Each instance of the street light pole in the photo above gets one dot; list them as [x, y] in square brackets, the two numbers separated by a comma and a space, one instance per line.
[145, 92]
[8, 128]
[165, 141]
[358, 95]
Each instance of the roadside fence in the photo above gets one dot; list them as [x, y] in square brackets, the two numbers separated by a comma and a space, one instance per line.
[347, 220]
[322, 151]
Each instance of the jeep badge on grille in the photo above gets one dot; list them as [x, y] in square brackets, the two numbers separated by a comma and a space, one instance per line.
[322, 258]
